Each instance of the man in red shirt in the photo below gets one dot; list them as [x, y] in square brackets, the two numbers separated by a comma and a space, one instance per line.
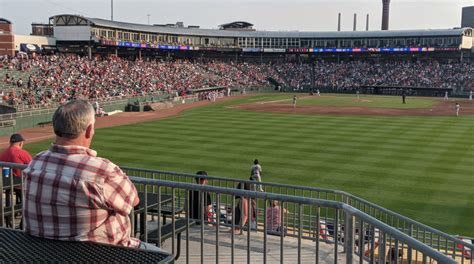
[16, 154]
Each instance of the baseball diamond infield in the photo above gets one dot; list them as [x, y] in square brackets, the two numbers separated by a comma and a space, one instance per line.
[439, 108]
[410, 160]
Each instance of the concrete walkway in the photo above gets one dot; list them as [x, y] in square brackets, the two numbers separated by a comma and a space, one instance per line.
[290, 248]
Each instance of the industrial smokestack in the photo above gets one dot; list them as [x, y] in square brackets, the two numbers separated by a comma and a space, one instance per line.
[367, 23]
[339, 22]
[112, 10]
[385, 14]
[355, 22]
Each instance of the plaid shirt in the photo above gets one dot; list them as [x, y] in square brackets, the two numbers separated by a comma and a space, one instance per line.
[70, 194]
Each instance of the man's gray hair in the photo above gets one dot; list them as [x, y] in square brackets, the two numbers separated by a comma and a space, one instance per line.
[71, 120]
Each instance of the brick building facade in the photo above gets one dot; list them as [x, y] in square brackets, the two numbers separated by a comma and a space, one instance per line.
[7, 39]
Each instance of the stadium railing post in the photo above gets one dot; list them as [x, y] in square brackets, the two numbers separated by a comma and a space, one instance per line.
[349, 236]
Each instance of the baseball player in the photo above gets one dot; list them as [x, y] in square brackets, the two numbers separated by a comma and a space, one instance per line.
[256, 174]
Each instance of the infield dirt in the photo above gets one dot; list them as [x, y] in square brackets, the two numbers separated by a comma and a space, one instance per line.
[441, 108]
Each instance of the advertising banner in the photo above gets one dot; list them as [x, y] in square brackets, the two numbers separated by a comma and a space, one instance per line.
[29, 48]
[300, 50]
[252, 50]
[273, 50]
[128, 44]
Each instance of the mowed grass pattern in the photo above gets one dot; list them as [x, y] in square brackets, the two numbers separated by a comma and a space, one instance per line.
[421, 167]
[366, 101]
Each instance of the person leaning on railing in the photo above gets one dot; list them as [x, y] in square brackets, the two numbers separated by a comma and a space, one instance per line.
[196, 206]
[242, 209]
[15, 154]
[71, 194]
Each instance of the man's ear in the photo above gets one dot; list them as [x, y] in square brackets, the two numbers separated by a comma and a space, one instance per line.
[89, 131]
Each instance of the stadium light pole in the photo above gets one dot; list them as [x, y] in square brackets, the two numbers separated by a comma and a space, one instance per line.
[148, 15]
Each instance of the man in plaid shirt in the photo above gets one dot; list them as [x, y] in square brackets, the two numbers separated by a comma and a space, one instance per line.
[70, 193]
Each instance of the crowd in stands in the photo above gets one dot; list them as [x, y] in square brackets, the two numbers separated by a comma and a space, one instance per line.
[354, 74]
[58, 79]
[53, 80]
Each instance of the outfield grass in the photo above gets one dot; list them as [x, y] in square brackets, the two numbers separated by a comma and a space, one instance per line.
[366, 101]
[421, 167]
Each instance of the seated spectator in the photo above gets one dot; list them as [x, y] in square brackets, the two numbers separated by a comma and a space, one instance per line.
[274, 216]
[196, 210]
[393, 256]
[71, 194]
[58, 78]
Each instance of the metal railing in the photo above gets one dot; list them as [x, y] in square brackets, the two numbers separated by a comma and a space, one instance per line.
[23, 111]
[327, 230]
[7, 123]
[436, 239]
[347, 221]
[103, 102]
[29, 113]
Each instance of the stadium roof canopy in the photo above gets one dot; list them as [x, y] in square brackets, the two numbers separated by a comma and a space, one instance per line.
[236, 25]
[70, 20]
[4, 21]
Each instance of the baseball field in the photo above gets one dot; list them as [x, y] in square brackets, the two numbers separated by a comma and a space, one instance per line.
[416, 159]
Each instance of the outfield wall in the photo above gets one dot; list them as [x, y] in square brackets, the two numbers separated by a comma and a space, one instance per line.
[11, 123]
